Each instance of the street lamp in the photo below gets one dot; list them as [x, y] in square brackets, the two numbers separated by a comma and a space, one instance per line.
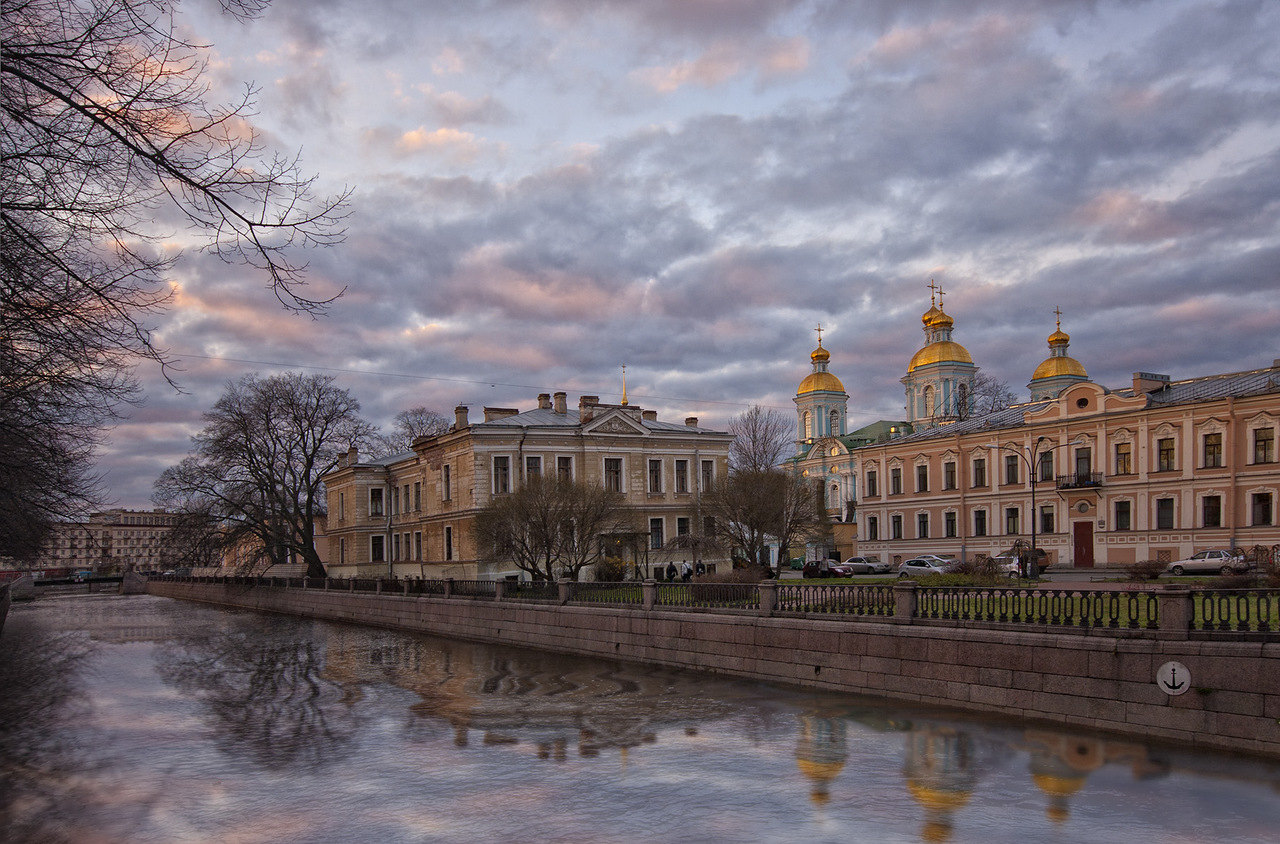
[1028, 455]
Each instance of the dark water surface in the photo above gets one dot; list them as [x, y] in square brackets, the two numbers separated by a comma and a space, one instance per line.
[141, 719]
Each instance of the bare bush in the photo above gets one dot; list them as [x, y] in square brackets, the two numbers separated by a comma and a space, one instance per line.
[1145, 569]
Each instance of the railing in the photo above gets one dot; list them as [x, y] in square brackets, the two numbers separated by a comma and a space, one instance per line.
[1080, 480]
[606, 593]
[844, 600]
[1247, 614]
[1080, 608]
[742, 596]
[1236, 610]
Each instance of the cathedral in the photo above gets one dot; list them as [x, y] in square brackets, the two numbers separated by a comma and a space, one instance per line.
[1158, 469]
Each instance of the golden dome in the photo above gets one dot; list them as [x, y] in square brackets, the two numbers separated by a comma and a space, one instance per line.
[937, 798]
[943, 350]
[1059, 336]
[930, 315]
[816, 381]
[941, 319]
[1054, 366]
[1057, 786]
[819, 354]
[819, 771]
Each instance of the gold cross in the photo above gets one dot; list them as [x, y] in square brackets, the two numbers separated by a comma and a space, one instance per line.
[819, 330]
[1058, 311]
[933, 290]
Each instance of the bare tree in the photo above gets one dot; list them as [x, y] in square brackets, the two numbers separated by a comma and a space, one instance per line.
[551, 527]
[257, 463]
[108, 127]
[761, 438]
[409, 425]
[751, 508]
[988, 396]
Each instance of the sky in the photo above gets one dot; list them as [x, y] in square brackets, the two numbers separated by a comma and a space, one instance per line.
[546, 191]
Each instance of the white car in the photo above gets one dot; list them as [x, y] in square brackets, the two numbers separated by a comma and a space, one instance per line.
[867, 565]
[925, 565]
[1221, 561]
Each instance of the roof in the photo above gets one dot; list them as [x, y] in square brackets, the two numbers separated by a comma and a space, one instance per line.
[941, 351]
[542, 417]
[820, 381]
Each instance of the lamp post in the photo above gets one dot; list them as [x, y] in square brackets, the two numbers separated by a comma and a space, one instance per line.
[1029, 455]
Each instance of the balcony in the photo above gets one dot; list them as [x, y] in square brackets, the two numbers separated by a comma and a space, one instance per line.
[1080, 480]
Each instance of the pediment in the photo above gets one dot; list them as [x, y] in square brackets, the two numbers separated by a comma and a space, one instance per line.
[615, 422]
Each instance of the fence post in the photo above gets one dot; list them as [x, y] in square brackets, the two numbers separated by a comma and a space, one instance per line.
[649, 593]
[768, 596]
[566, 589]
[904, 601]
[1174, 612]
[448, 587]
[499, 590]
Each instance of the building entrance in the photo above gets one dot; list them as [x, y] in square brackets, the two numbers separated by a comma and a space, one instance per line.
[1082, 545]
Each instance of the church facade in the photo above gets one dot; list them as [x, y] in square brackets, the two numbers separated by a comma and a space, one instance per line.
[1157, 469]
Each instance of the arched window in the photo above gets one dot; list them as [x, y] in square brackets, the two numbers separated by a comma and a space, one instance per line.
[929, 409]
[835, 423]
[808, 425]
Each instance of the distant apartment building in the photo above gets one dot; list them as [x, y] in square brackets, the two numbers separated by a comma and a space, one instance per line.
[114, 540]
[1157, 469]
[412, 514]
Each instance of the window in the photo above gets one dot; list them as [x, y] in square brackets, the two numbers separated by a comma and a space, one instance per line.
[655, 533]
[708, 474]
[445, 482]
[871, 484]
[613, 474]
[1011, 469]
[682, 526]
[709, 526]
[1124, 516]
[564, 468]
[922, 479]
[395, 547]
[1084, 463]
[405, 507]
[342, 551]
[949, 525]
[1046, 519]
[1262, 508]
[1046, 466]
[501, 475]
[1212, 451]
[922, 525]
[448, 542]
[1164, 452]
[376, 550]
[1124, 459]
[1211, 511]
[979, 471]
[1011, 521]
[682, 476]
[417, 496]
[808, 425]
[417, 545]
[895, 527]
[1264, 445]
[949, 475]
[895, 482]
[375, 501]
[979, 522]
[655, 476]
[342, 506]
[395, 500]
[873, 528]
[532, 467]
[1164, 514]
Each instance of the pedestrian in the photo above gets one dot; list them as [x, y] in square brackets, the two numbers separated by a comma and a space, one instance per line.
[686, 571]
[671, 572]
[699, 568]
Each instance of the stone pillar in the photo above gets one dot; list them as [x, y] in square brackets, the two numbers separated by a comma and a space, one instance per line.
[649, 591]
[378, 589]
[904, 601]
[1175, 612]
[499, 590]
[566, 589]
[448, 587]
[768, 596]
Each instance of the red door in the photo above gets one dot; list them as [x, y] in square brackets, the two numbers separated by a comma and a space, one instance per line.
[1082, 539]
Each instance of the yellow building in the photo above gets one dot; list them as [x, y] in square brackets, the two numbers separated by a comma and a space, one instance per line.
[110, 541]
[1157, 469]
[412, 514]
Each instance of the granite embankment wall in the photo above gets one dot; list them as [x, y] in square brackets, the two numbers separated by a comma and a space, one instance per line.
[1091, 680]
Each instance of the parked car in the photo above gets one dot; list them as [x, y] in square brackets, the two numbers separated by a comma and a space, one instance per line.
[1221, 561]
[925, 565]
[1039, 554]
[839, 569]
[1007, 566]
[817, 568]
[867, 565]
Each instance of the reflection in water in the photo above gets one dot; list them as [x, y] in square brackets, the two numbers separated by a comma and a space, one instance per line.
[153, 720]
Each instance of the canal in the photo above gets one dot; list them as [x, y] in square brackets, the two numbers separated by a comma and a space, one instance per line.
[143, 719]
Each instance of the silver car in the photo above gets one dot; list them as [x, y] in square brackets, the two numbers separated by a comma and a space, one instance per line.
[921, 566]
[1221, 561]
[867, 565]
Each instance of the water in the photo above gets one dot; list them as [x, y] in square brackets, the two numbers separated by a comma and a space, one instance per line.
[142, 719]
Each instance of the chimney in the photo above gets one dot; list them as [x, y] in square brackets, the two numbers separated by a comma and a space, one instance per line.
[586, 407]
[460, 417]
[353, 456]
[559, 406]
[544, 401]
[650, 415]
[492, 413]
[691, 421]
[1148, 382]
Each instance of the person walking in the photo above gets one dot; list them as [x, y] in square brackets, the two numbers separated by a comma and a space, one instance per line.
[671, 572]
[686, 572]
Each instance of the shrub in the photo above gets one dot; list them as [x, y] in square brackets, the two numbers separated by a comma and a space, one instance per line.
[1235, 581]
[610, 570]
[1145, 569]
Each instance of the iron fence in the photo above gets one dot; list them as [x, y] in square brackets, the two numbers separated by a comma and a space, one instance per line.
[844, 600]
[1056, 607]
[474, 588]
[531, 590]
[1236, 610]
[740, 596]
[606, 593]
